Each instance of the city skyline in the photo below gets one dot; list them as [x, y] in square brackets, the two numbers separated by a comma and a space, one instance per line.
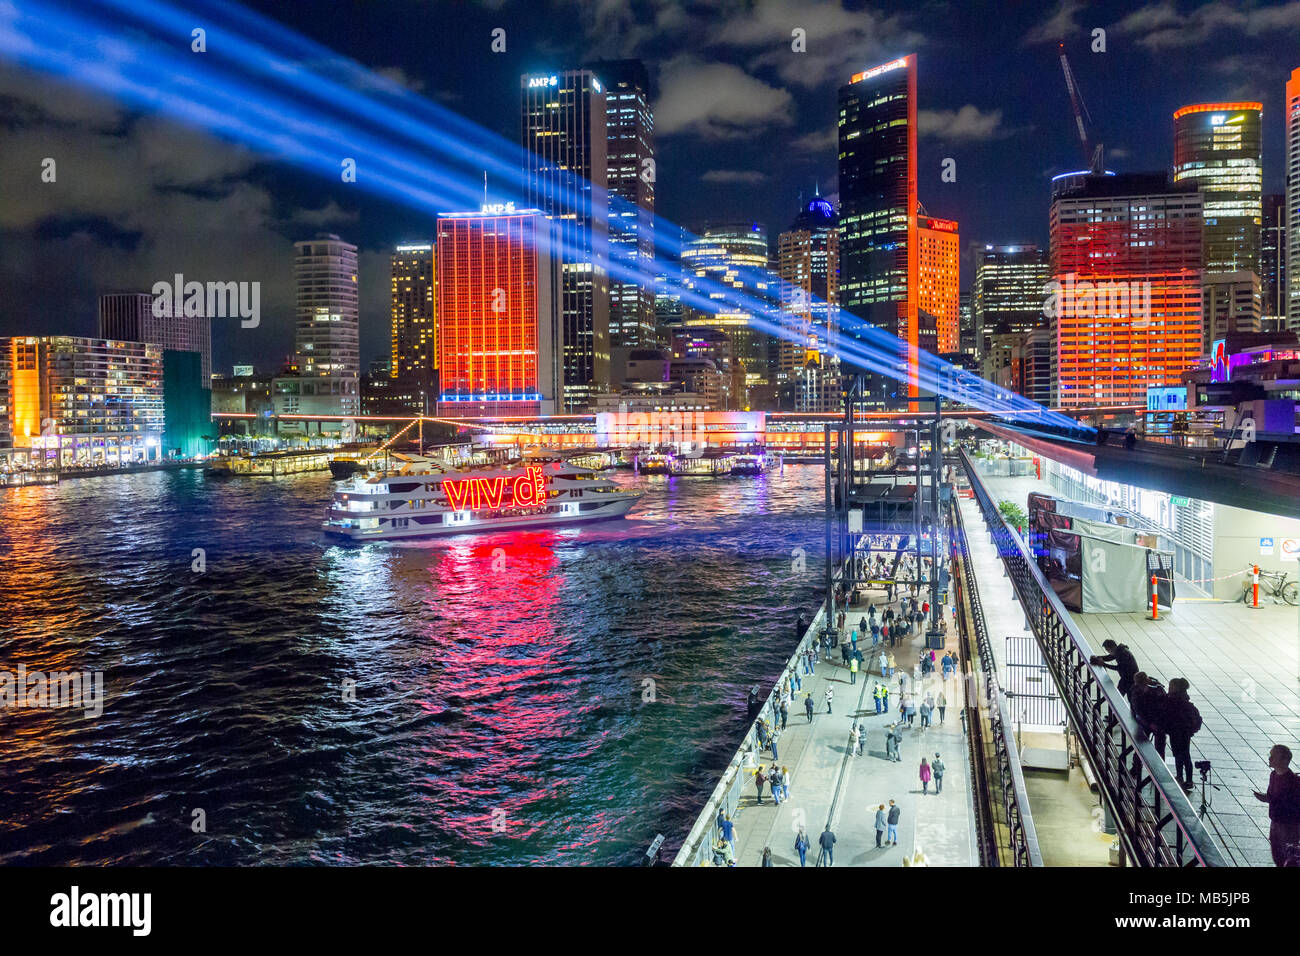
[692, 153]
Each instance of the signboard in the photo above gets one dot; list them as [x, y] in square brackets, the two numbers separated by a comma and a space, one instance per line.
[1180, 501]
[1291, 548]
[1265, 546]
[526, 491]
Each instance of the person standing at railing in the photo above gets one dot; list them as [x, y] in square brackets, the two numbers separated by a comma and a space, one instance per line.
[1121, 660]
[1283, 799]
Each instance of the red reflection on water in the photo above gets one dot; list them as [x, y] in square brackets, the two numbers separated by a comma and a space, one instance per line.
[505, 657]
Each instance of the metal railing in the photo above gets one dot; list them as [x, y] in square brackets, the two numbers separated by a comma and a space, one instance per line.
[1018, 839]
[698, 845]
[1155, 822]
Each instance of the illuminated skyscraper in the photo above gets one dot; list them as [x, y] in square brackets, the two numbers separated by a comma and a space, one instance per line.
[878, 204]
[631, 174]
[325, 270]
[498, 314]
[1009, 290]
[414, 338]
[808, 264]
[733, 256]
[1126, 287]
[1291, 117]
[565, 133]
[1217, 146]
[1272, 262]
[938, 272]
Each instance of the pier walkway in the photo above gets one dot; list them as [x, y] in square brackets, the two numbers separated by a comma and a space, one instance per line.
[1242, 664]
[823, 774]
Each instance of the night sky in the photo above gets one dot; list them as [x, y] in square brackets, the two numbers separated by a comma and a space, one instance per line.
[744, 127]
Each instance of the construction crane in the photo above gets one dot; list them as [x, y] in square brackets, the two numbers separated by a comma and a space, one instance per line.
[1091, 154]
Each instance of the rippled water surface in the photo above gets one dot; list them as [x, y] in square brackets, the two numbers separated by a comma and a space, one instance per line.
[498, 713]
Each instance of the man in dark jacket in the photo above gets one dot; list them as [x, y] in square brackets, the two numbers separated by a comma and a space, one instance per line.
[1283, 799]
[827, 842]
[1181, 721]
[1124, 663]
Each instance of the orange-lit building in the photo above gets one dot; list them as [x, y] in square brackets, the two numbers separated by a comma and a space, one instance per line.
[1125, 295]
[499, 338]
[79, 400]
[938, 271]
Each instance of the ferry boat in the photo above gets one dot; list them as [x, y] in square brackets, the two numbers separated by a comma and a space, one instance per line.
[420, 497]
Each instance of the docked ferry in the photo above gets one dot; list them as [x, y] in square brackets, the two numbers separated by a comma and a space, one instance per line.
[420, 497]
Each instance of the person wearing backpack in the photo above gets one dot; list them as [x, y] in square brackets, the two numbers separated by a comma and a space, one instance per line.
[760, 779]
[1181, 721]
[801, 845]
[1148, 700]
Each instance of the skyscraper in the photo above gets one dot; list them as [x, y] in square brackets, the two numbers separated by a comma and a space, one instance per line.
[1009, 290]
[498, 314]
[564, 130]
[808, 262]
[1291, 117]
[1126, 287]
[1217, 146]
[414, 338]
[878, 204]
[129, 317]
[733, 256]
[631, 175]
[1272, 261]
[938, 274]
[325, 270]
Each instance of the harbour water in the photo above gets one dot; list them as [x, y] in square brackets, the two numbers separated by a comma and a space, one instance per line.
[551, 696]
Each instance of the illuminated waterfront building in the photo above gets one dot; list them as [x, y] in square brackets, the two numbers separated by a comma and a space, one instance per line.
[326, 341]
[412, 369]
[1217, 147]
[498, 314]
[938, 273]
[129, 317]
[631, 176]
[1125, 296]
[808, 264]
[564, 131]
[733, 256]
[81, 400]
[877, 224]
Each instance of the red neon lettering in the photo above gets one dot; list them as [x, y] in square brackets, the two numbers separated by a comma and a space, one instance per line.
[526, 490]
[457, 494]
[493, 490]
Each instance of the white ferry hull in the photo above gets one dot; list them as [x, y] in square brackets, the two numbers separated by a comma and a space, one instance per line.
[386, 532]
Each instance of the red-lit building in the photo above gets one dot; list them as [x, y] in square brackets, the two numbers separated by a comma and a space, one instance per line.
[500, 345]
[1125, 295]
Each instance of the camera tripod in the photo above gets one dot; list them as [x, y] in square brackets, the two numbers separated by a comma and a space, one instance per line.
[1207, 798]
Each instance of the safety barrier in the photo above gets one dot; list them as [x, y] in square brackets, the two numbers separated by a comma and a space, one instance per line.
[698, 845]
[1016, 838]
[1154, 820]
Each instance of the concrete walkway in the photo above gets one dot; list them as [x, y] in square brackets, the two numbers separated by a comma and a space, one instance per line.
[941, 827]
[1242, 664]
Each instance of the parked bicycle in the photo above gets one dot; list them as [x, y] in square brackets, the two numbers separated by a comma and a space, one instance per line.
[1274, 584]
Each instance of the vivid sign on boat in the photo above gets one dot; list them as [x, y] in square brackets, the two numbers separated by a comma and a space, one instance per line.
[524, 491]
